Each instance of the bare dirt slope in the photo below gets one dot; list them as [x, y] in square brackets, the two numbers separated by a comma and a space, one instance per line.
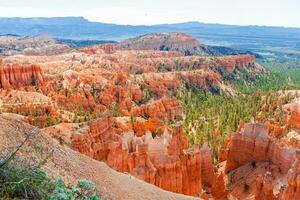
[71, 166]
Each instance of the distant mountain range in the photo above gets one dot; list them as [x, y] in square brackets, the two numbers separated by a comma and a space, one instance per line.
[77, 28]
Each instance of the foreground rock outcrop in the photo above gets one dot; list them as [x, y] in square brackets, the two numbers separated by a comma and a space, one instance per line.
[62, 162]
[163, 160]
[271, 168]
[254, 145]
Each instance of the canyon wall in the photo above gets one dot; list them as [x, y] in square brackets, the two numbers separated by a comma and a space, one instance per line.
[292, 192]
[254, 144]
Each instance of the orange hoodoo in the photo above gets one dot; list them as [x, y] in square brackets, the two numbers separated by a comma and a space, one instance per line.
[165, 160]
[20, 76]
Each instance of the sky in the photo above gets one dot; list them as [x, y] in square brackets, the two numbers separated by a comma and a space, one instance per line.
[147, 12]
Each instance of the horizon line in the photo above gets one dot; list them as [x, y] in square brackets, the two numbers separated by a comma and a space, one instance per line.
[183, 22]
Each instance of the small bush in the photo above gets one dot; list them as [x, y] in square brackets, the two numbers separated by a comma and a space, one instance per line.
[114, 109]
[24, 182]
[85, 190]
[21, 181]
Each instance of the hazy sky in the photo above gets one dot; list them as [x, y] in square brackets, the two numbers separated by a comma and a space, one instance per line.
[242, 12]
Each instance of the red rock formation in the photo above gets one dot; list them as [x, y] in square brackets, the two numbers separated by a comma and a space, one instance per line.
[90, 51]
[109, 48]
[165, 160]
[106, 48]
[122, 91]
[224, 153]
[161, 84]
[92, 94]
[292, 192]
[102, 132]
[207, 167]
[78, 100]
[166, 84]
[275, 129]
[229, 63]
[218, 189]
[295, 116]
[276, 177]
[254, 144]
[225, 63]
[163, 109]
[177, 170]
[141, 127]
[20, 76]
[201, 79]
[264, 187]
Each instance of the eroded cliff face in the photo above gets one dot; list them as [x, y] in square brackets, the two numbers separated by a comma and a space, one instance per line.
[267, 168]
[254, 144]
[161, 84]
[292, 191]
[267, 186]
[20, 76]
[163, 160]
[230, 63]
[226, 63]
